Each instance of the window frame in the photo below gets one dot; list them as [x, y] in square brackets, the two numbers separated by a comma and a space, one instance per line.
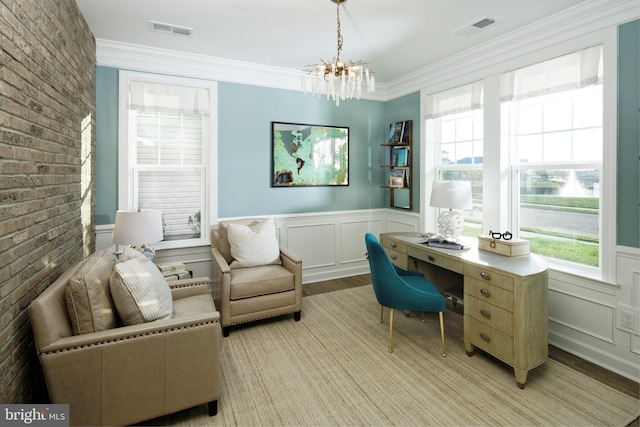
[126, 175]
[499, 201]
[440, 167]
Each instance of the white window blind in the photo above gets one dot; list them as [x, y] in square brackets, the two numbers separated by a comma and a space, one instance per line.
[169, 171]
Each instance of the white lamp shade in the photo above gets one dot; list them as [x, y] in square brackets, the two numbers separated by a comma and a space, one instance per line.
[451, 195]
[134, 227]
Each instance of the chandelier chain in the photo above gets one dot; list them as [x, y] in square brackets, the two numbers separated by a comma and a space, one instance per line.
[339, 32]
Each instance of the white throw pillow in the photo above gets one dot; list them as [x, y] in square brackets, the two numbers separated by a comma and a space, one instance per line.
[253, 245]
[140, 292]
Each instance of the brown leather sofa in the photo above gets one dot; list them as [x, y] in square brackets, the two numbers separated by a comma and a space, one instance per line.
[129, 374]
[252, 293]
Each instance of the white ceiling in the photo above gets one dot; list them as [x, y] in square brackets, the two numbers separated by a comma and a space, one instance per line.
[395, 37]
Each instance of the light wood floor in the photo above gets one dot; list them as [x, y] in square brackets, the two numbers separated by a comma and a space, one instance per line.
[614, 380]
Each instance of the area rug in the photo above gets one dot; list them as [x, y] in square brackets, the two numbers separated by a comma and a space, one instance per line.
[333, 368]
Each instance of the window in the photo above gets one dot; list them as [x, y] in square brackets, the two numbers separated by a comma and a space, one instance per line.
[454, 127]
[164, 155]
[552, 122]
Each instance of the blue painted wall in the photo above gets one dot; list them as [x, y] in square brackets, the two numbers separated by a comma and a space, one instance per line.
[106, 145]
[629, 134]
[244, 146]
[245, 114]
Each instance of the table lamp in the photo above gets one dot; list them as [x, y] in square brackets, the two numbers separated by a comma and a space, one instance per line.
[138, 227]
[451, 195]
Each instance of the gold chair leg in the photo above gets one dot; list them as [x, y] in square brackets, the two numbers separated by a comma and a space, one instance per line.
[444, 349]
[391, 330]
[381, 313]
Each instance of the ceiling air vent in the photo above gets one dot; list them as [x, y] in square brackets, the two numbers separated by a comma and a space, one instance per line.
[171, 29]
[472, 29]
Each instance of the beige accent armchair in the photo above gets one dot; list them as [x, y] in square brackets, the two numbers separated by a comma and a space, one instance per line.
[129, 374]
[252, 293]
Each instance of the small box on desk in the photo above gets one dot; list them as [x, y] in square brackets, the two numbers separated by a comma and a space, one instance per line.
[513, 247]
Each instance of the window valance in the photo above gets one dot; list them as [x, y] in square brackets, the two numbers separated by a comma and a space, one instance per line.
[154, 97]
[568, 72]
[457, 100]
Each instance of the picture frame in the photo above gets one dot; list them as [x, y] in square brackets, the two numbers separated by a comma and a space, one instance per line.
[396, 182]
[305, 155]
[398, 178]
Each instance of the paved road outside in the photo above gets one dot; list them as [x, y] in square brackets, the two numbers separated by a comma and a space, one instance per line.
[562, 222]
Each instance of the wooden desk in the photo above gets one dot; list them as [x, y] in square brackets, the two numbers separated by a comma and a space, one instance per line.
[505, 298]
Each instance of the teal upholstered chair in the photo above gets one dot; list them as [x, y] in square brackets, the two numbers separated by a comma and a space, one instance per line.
[400, 289]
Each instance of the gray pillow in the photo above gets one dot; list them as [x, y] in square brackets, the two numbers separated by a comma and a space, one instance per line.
[140, 292]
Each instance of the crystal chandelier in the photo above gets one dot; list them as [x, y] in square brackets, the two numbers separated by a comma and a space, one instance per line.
[337, 79]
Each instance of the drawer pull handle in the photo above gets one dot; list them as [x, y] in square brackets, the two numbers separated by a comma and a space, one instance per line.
[485, 314]
[485, 292]
[432, 259]
[485, 276]
[393, 257]
[485, 337]
[393, 245]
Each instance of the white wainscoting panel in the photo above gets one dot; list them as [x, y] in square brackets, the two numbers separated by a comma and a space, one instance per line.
[352, 248]
[331, 244]
[402, 223]
[104, 237]
[584, 316]
[315, 243]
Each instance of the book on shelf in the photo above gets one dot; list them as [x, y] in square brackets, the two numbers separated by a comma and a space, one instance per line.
[400, 132]
[395, 132]
[405, 132]
[392, 133]
[399, 156]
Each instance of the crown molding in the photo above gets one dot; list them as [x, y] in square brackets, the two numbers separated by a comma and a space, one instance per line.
[580, 21]
[133, 57]
[566, 31]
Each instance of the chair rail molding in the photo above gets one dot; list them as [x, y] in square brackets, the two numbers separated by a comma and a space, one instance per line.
[331, 244]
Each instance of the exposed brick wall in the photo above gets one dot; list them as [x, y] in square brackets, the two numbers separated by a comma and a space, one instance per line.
[47, 141]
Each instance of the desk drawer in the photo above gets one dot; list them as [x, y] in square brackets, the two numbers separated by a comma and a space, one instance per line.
[398, 258]
[435, 258]
[393, 244]
[488, 339]
[488, 293]
[496, 317]
[492, 277]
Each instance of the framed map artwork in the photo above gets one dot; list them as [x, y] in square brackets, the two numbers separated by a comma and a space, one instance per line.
[309, 155]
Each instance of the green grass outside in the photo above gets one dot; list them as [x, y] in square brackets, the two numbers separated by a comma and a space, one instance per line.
[568, 250]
